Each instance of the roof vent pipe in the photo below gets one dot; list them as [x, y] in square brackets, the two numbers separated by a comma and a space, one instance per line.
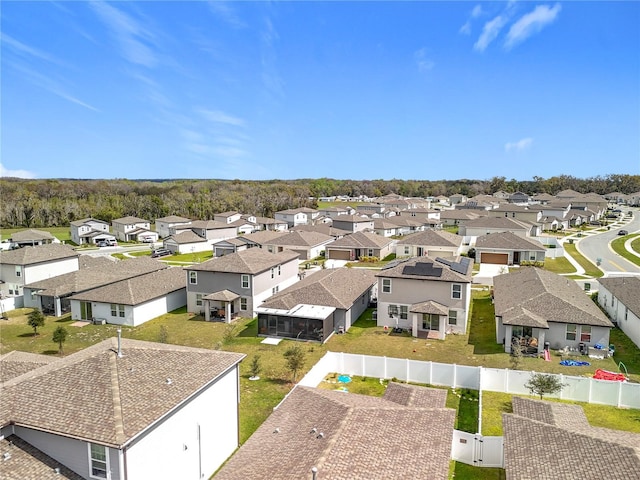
[119, 343]
[314, 473]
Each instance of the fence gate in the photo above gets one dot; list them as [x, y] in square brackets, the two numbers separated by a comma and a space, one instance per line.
[477, 450]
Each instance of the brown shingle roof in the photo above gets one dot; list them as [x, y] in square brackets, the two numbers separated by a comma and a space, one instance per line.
[186, 237]
[129, 220]
[626, 290]
[508, 241]
[432, 238]
[28, 463]
[363, 438]
[507, 224]
[251, 261]
[173, 219]
[137, 290]
[322, 228]
[301, 239]
[338, 288]
[533, 291]
[15, 363]
[262, 237]
[447, 274]
[38, 254]
[31, 235]
[95, 396]
[362, 240]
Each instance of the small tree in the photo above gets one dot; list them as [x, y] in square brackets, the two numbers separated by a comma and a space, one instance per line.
[295, 359]
[36, 319]
[59, 337]
[541, 384]
[255, 368]
[516, 355]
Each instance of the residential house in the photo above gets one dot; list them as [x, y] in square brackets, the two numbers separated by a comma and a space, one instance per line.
[132, 301]
[327, 434]
[353, 223]
[211, 230]
[307, 245]
[297, 216]
[534, 307]
[236, 284]
[407, 225]
[590, 201]
[429, 243]
[323, 228]
[571, 448]
[567, 194]
[32, 238]
[431, 297]
[386, 228]
[616, 197]
[633, 199]
[501, 194]
[619, 296]
[452, 218]
[519, 197]
[263, 238]
[542, 198]
[133, 229]
[360, 244]
[31, 264]
[318, 305]
[507, 248]
[89, 231]
[370, 208]
[120, 409]
[426, 215]
[487, 225]
[232, 245]
[333, 212]
[51, 295]
[517, 212]
[187, 241]
[164, 224]
[265, 223]
[457, 198]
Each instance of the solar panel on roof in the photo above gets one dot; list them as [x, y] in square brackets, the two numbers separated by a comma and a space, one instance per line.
[462, 266]
[422, 269]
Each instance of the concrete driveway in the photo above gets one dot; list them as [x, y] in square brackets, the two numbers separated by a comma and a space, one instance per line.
[487, 272]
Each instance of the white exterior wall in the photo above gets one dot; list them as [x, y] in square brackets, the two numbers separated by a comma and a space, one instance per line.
[194, 441]
[42, 271]
[73, 454]
[556, 336]
[616, 311]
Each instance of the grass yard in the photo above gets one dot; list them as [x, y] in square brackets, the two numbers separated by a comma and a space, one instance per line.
[618, 246]
[559, 265]
[462, 471]
[589, 268]
[494, 404]
[61, 233]
[635, 245]
[197, 257]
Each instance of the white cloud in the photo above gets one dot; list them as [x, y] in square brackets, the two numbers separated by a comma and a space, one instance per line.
[489, 33]
[422, 61]
[218, 116]
[465, 29]
[224, 11]
[25, 50]
[4, 172]
[519, 146]
[477, 11]
[531, 23]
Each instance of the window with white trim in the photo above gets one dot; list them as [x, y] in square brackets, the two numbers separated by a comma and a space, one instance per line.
[275, 290]
[407, 250]
[456, 290]
[244, 281]
[453, 317]
[571, 332]
[114, 310]
[193, 278]
[243, 303]
[18, 271]
[98, 460]
[273, 272]
[393, 310]
[386, 285]
[585, 333]
[198, 299]
[404, 312]
[279, 269]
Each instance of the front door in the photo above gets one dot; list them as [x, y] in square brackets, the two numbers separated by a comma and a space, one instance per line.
[431, 322]
[85, 311]
[516, 258]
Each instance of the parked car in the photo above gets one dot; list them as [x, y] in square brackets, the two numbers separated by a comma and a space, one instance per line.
[160, 252]
[622, 232]
[101, 243]
[112, 243]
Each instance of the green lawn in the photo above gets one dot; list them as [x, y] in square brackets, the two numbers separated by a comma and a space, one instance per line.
[494, 404]
[618, 246]
[635, 245]
[462, 471]
[590, 269]
[559, 265]
[61, 233]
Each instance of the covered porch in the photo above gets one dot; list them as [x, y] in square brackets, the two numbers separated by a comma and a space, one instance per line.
[220, 306]
[429, 319]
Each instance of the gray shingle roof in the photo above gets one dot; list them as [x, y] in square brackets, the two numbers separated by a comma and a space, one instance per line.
[548, 441]
[15, 363]
[250, 261]
[31, 235]
[37, 254]
[301, 239]
[508, 241]
[207, 225]
[447, 275]
[186, 237]
[322, 228]
[137, 290]
[362, 240]
[531, 294]
[507, 224]
[129, 220]
[432, 238]
[263, 237]
[626, 290]
[430, 307]
[28, 463]
[338, 288]
[95, 396]
[173, 219]
[363, 438]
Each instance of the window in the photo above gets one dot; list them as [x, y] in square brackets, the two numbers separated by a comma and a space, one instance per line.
[393, 310]
[626, 313]
[193, 278]
[273, 272]
[370, 252]
[275, 290]
[198, 299]
[386, 285]
[244, 281]
[243, 303]
[407, 250]
[456, 290]
[571, 332]
[114, 310]
[18, 271]
[453, 317]
[99, 459]
[585, 333]
[404, 312]
[279, 270]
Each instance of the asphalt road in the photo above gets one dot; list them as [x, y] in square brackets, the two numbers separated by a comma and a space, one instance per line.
[597, 246]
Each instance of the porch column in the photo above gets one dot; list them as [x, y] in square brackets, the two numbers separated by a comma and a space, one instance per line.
[57, 306]
[227, 312]
[207, 311]
[442, 331]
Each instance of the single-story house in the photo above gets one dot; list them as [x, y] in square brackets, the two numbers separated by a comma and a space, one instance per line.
[32, 238]
[232, 245]
[620, 298]
[534, 306]
[320, 304]
[307, 245]
[132, 301]
[430, 297]
[164, 224]
[266, 223]
[89, 230]
[327, 434]
[386, 228]
[507, 248]
[324, 228]
[186, 242]
[486, 225]
[452, 218]
[360, 244]
[429, 242]
[120, 409]
[571, 448]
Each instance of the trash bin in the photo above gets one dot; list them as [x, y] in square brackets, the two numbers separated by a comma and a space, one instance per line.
[583, 348]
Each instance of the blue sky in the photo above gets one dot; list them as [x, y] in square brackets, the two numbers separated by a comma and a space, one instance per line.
[348, 90]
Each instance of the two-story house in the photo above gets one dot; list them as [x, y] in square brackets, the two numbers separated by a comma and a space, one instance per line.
[164, 224]
[89, 230]
[430, 297]
[353, 223]
[237, 283]
[133, 229]
[297, 216]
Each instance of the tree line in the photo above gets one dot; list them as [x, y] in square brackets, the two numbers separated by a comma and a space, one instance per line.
[57, 202]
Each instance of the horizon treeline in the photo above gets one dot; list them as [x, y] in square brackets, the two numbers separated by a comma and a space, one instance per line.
[37, 203]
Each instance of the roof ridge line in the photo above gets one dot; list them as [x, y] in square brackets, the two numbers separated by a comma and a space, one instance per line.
[117, 404]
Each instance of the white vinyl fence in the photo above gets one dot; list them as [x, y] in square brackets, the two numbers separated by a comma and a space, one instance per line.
[473, 449]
